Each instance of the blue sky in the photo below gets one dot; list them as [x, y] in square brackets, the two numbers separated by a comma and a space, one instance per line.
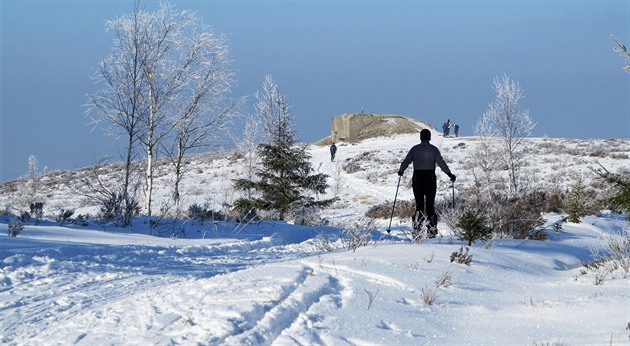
[428, 59]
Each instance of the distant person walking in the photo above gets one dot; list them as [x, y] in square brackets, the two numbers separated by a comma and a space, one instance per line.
[333, 151]
[446, 128]
[456, 130]
[425, 156]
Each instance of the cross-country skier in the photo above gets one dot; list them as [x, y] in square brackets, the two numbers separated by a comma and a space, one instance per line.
[425, 156]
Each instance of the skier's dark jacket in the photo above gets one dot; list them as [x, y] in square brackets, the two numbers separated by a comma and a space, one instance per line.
[424, 157]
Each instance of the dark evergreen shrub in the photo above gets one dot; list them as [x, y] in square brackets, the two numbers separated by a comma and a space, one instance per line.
[620, 182]
[15, 228]
[203, 213]
[25, 216]
[81, 219]
[539, 234]
[37, 210]
[472, 226]
[576, 203]
[64, 215]
[118, 209]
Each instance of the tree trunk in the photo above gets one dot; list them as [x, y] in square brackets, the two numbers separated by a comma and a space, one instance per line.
[149, 144]
[149, 181]
[178, 175]
[126, 200]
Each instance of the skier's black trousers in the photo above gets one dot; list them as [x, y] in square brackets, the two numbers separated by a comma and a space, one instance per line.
[424, 185]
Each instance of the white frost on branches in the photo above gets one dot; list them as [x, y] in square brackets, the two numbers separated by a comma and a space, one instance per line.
[509, 124]
[164, 87]
[623, 51]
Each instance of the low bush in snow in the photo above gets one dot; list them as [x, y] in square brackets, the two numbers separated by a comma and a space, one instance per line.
[428, 295]
[118, 209]
[359, 234]
[538, 234]
[15, 228]
[304, 215]
[616, 259]
[445, 279]
[64, 215]
[203, 213]
[353, 164]
[81, 219]
[404, 210]
[515, 217]
[462, 256]
[371, 296]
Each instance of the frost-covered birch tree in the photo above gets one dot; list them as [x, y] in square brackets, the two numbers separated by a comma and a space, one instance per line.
[252, 136]
[511, 124]
[31, 184]
[253, 133]
[194, 131]
[275, 112]
[200, 112]
[119, 105]
[163, 59]
[165, 79]
[485, 157]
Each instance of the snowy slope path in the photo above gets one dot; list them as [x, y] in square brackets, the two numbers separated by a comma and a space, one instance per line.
[91, 285]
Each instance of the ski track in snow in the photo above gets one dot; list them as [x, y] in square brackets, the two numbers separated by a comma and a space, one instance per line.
[103, 275]
[370, 276]
[296, 300]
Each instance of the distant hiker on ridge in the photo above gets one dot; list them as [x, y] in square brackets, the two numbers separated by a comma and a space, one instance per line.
[456, 130]
[446, 128]
[333, 151]
[425, 156]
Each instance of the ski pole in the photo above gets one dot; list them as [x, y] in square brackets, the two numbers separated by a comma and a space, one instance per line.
[389, 229]
[453, 189]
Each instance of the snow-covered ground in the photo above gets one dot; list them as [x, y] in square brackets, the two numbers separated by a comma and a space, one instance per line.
[277, 283]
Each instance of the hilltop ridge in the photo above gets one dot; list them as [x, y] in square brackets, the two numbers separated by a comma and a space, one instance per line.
[362, 175]
[356, 127]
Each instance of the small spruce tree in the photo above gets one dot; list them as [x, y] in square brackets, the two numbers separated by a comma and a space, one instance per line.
[473, 226]
[284, 176]
[576, 203]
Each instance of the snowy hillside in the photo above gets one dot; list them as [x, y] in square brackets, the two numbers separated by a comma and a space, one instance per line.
[363, 174]
[266, 283]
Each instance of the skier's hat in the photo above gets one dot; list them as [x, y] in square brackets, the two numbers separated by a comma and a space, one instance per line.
[425, 135]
